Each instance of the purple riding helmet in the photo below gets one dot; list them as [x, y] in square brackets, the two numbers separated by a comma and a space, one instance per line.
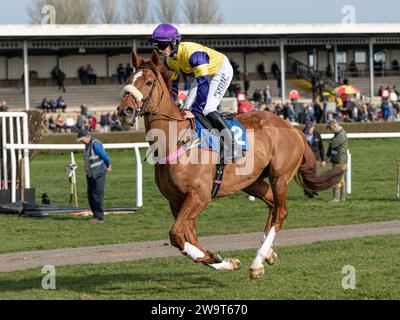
[166, 32]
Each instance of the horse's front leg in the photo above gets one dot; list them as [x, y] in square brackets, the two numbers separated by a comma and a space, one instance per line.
[183, 235]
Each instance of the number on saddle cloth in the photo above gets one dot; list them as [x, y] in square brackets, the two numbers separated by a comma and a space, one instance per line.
[210, 141]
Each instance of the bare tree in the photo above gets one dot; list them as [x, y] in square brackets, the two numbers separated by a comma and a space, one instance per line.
[202, 11]
[166, 10]
[67, 11]
[107, 11]
[136, 11]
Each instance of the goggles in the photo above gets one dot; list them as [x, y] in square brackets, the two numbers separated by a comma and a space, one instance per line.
[161, 45]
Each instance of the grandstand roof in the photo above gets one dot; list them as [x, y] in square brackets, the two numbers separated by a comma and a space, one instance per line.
[141, 30]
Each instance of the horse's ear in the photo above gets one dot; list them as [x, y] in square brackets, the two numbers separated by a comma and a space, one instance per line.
[135, 60]
[155, 58]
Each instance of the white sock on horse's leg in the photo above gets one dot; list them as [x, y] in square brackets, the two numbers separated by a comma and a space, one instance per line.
[265, 250]
[192, 252]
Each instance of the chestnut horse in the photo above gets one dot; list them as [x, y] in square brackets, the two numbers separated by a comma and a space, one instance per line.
[277, 151]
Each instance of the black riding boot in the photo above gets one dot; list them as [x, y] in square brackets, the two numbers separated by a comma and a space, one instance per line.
[219, 123]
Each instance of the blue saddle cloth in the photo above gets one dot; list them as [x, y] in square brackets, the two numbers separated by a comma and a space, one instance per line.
[211, 141]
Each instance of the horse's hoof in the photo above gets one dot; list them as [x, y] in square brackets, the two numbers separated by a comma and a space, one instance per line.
[273, 258]
[236, 264]
[232, 264]
[257, 273]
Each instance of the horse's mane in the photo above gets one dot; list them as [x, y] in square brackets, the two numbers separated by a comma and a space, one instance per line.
[165, 74]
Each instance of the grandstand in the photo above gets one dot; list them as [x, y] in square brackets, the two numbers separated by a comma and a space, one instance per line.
[298, 49]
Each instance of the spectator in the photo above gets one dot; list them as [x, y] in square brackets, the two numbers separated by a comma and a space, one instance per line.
[275, 70]
[70, 124]
[235, 67]
[129, 70]
[329, 72]
[267, 95]
[59, 77]
[3, 106]
[337, 154]
[121, 73]
[261, 71]
[93, 123]
[318, 112]
[246, 82]
[83, 75]
[45, 105]
[340, 74]
[61, 104]
[353, 69]
[52, 125]
[257, 98]
[104, 122]
[395, 65]
[314, 139]
[314, 84]
[60, 123]
[91, 75]
[52, 105]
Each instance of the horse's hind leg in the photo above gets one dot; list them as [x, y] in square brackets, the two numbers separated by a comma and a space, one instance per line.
[280, 188]
[262, 190]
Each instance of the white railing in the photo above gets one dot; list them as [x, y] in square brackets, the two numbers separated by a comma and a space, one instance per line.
[17, 116]
[134, 146]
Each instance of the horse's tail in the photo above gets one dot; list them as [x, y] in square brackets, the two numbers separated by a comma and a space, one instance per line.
[308, 178]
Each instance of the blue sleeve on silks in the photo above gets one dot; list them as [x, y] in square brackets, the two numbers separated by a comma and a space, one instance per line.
[203, 87]
[199, 61]
[99, 150]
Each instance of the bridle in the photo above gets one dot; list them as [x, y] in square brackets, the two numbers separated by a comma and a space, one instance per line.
[143, 109]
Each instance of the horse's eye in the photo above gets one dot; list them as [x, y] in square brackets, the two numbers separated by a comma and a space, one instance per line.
[149, 82]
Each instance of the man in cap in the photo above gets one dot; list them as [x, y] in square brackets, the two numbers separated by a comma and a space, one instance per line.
[97, 163]
[337, 153]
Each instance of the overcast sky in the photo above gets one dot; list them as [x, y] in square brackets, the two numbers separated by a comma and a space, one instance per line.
[266, 11]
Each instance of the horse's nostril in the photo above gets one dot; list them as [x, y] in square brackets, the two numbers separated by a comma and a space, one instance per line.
[129, 111]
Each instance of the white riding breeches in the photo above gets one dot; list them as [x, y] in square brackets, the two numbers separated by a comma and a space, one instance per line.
[219, 83]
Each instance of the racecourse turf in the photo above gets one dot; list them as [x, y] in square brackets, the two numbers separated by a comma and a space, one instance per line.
[373, 199]
[315, 271]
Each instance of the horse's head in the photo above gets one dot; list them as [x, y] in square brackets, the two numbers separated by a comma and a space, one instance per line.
[140, 96]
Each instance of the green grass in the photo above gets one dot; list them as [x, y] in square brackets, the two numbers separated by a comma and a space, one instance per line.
[303, 272]
[373, 199]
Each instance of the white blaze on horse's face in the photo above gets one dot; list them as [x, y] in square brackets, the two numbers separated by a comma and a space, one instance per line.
[131, 89]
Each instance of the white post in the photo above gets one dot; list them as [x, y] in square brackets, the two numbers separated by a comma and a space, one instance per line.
[139, 179]
[348, 173]
[26, 76]
[19, 140]
[13, 164]
[4, 142]
[25, 131]
[283, 72]
[371, 68]
[336, 64]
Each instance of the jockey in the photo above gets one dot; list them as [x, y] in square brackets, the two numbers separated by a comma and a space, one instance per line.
[212, 70]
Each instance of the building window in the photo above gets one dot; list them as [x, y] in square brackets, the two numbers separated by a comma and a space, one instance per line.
[341, 57]
[360, 57]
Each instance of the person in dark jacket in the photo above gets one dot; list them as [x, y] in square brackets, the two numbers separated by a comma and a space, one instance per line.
[337, 154]
[97, 163]
[314, 139]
